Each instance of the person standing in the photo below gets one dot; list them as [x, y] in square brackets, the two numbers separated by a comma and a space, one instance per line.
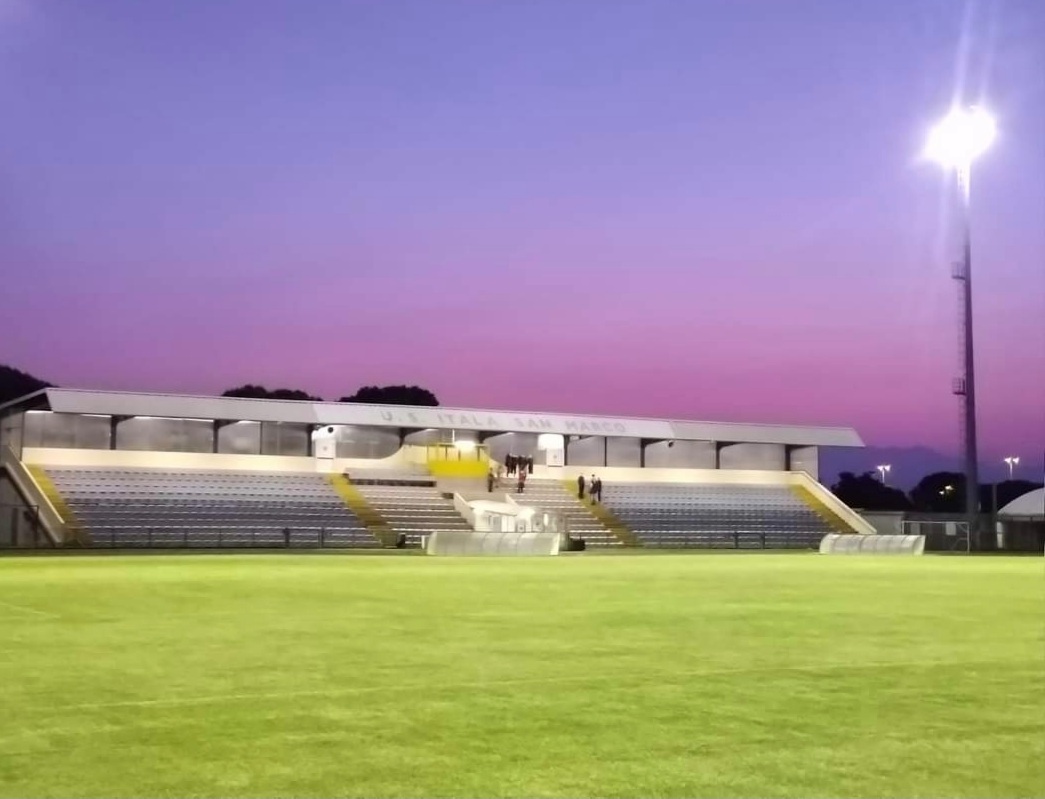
[580, 487]
[522, 480]
[591, 490]
[597, 489]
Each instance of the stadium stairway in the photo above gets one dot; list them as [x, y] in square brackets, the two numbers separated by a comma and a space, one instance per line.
[553, 495]
[357, 503]
[604, 515]
[411, 507]
[74, 531]
[833, 520]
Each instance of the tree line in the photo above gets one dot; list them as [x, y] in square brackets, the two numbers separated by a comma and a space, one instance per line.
[939, 492]
[15, 383]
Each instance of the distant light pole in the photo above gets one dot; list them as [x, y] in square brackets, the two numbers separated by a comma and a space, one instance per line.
[1013, 461]
[961, 137]
[884, 469]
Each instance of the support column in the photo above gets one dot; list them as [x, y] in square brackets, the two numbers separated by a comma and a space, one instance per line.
[719, 446]
[114, 423]
[642, 452]
[605, 451]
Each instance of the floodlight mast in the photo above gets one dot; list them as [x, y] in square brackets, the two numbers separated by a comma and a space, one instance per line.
[962, 136]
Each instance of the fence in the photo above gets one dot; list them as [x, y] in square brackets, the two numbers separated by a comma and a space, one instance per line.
[21, 528]
[941, 536]
[728, 539]
[217, 537]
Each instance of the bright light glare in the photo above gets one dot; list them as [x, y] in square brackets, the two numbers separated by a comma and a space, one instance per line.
[961, 137]
[465, 445]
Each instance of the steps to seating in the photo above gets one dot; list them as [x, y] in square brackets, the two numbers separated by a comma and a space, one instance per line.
[581, 520]
[185, 508]
[357, 503]
[414, 508]
[604, 515]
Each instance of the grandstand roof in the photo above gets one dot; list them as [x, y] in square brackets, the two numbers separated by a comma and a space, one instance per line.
[116, 403]
[1030, 505]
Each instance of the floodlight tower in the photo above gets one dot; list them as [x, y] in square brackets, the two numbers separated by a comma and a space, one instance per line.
[1012, 462]
[962, 136]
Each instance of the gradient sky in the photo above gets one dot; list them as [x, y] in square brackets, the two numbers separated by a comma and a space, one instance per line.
[709, 209]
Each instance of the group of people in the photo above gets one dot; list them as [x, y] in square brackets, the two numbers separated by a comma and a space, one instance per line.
[593, 487]
[520, 467]
[493, 479]
[516, 463]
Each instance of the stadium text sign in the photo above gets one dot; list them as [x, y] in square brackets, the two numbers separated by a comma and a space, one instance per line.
[482, 420]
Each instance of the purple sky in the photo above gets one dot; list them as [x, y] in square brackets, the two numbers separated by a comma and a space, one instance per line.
[708, 209]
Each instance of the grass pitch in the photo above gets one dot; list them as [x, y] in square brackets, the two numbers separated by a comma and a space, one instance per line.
[687, 675]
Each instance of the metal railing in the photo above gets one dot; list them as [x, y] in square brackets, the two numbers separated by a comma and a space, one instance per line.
[224, 537]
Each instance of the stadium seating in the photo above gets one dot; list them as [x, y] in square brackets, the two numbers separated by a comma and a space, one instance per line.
[181, 508]
[715, 516]
[409, 506]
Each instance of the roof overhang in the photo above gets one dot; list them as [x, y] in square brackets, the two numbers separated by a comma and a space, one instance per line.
[114, 403]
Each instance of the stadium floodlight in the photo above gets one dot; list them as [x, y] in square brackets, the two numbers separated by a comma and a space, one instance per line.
[884, 469]
[961, 137]
[955, 142]
[1013, 461]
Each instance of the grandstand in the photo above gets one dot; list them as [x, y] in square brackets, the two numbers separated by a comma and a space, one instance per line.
[124, 470]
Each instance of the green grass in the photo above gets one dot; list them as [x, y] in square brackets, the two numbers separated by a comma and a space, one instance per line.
[752, 675]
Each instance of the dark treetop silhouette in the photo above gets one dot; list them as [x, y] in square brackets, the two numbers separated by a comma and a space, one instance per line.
[15, 383]
[393, 395]
[251, 391]
[866, 492]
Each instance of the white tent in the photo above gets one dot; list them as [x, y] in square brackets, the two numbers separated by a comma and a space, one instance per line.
[1030, 506]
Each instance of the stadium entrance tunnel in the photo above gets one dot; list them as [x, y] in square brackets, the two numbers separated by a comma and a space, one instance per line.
[849, 544]
[460, 543]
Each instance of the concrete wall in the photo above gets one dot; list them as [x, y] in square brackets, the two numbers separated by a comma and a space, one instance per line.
[680, 455]
[668, 475]
[624, 452]
[115, 459]
[65, 430]
[523, 445]
[588, 451]
[752, 456]
[885, 522]
[806, 459]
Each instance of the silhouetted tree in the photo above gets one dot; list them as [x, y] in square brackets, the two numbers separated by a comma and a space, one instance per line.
[15, 383]
[866, 492]
[393, 395]
[251, 391]
[940, 492]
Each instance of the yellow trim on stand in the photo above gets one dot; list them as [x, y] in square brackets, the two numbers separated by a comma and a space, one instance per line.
[357, 503]
[835, 521]
[74, 532]
[451, 460]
